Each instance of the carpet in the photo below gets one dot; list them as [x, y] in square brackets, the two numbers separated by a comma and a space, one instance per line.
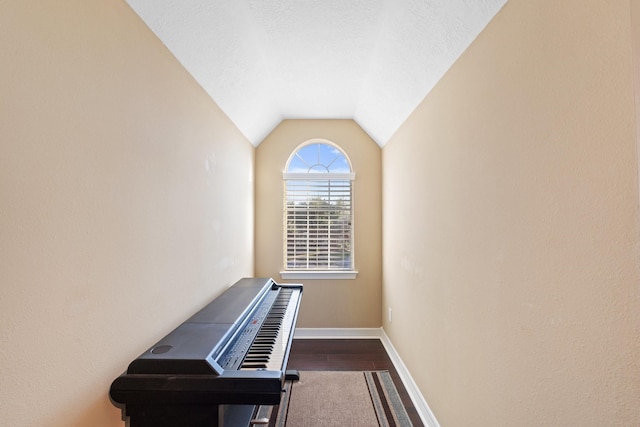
[340, 398]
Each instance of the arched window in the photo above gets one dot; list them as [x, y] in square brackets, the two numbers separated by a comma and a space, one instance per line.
[318, 209]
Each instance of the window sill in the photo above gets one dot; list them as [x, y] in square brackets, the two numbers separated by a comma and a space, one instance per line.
[318, 275]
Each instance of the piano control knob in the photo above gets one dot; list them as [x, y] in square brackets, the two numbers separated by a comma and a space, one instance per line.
[161, 349]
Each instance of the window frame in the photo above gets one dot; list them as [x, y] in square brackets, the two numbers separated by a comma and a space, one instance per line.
[317, 273]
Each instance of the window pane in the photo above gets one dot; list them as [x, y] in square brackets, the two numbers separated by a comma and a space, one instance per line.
[319, 158]
[318, 213]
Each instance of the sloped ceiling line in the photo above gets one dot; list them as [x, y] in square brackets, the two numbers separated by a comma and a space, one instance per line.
[263, 61]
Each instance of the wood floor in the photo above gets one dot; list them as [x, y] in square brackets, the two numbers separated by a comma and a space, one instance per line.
[348, 355]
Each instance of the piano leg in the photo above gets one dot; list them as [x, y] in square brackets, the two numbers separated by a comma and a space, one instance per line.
[173, 415]
[236, 415]
[190, 415]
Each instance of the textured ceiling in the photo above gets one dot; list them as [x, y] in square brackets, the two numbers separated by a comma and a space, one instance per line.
[263, 61]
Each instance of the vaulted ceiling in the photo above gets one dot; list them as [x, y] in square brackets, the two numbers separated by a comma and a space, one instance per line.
[263, 61]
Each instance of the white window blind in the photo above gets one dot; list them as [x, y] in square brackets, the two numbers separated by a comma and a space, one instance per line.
[318, 223]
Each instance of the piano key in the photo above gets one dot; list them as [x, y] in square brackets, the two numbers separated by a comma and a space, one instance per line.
[277, 329]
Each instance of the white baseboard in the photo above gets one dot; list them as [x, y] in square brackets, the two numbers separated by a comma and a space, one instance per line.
[420, 404]
[333, 333]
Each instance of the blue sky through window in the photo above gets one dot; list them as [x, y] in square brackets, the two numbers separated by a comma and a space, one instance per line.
[318, 158]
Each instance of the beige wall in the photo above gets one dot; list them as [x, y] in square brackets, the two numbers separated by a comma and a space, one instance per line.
[635, 46]
[126, 203]
[511, 225]
[326, 303]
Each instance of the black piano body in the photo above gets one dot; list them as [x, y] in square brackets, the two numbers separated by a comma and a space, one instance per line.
[214, 368]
